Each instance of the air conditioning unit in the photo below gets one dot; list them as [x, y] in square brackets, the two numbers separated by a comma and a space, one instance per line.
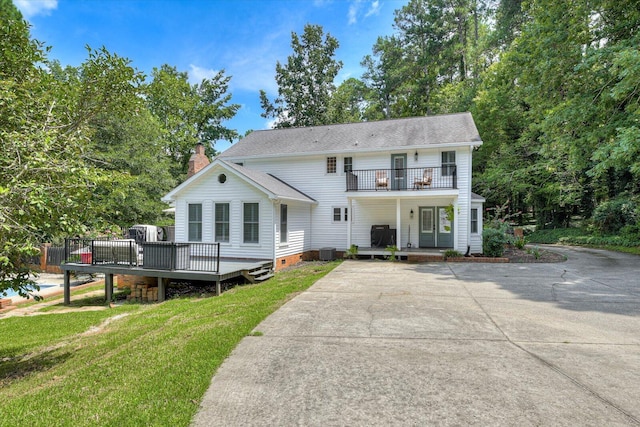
[327, 254]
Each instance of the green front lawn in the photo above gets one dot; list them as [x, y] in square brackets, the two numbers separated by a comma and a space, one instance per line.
[133, 364]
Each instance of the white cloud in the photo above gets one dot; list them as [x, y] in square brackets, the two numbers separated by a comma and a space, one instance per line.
[198, 73]
[31, 8]
[374, 9]
[353, 12]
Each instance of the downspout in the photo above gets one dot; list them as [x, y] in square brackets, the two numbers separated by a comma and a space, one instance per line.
[349, 216]
[274, 203]
[469, 199]
[398, 224]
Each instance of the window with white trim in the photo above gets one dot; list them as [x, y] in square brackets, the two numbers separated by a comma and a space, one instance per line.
[348, 164]
[283, 223]
[340, 214]
[332, 164]
[474, 221]
[251, 216]
[448, 163]
[222, 222]
[195, 222]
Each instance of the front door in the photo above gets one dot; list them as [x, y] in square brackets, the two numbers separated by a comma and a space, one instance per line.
[436, 229]
[427, 228]
[444, 235]
[399, 172]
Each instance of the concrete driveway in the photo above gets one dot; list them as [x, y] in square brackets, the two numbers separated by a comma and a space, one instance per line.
[379, 343]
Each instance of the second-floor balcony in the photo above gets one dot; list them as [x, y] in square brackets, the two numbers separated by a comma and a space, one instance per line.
[426, 178]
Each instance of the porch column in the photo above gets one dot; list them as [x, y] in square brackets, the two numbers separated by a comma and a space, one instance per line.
[67, 287]
[456, 227]
[398, 225]
[349, 216]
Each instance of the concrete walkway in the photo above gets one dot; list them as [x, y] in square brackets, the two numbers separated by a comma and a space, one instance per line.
[376, 343]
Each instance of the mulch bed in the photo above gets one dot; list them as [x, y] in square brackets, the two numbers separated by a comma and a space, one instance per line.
[528, 255]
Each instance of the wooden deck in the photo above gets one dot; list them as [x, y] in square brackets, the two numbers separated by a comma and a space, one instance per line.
[229, 269]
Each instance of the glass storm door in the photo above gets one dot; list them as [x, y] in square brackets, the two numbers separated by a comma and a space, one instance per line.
[399, 172]
[427, 228]
[444, 228]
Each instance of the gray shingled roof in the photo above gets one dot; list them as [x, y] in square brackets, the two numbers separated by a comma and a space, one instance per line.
[477, 197]
[270, 183]
[354, 137]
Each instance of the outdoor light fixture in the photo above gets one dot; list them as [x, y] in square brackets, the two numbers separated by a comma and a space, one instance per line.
[415, 156]
[411, 214]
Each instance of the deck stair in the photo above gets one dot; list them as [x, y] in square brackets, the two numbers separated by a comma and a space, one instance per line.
[259, 274]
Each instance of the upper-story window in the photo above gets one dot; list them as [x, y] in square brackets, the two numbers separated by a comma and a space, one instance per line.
[348, 164]
[448, 163]
[332, 164]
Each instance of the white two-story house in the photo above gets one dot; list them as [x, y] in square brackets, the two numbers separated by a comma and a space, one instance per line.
[287, 193]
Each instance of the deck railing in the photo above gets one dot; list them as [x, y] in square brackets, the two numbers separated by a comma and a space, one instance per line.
[150, 255]
[425, 178]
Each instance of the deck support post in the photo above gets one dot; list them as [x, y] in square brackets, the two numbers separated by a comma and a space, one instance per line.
[67, 287]
[108, 286]
[218, 288]
[162, 291]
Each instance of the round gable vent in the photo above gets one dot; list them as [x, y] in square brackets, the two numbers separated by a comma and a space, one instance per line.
[222, 178]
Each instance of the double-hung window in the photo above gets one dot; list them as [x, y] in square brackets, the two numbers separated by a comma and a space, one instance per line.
[251, 217]
[448, 163]
[474, 221]
[340, 214]
[222, 222]
[348, 164]
[195, 222]
[283, 223]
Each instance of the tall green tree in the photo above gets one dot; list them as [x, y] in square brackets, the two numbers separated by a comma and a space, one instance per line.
[45, 182]
[385, 72]
[572, 111]
[305, 82]
[190, 114]
[347, 103]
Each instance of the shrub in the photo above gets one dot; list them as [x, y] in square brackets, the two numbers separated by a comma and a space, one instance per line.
[535, 251]
[452, 253]
[519, 242]
[613, 215]
[493, 242]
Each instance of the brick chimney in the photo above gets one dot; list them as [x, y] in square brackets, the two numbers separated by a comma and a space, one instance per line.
[197, 161]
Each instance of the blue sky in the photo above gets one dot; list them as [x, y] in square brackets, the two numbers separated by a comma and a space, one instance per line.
[243, 37]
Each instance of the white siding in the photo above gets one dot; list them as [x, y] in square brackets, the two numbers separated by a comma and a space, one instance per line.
[463, 205]
[299, 233]
[308, 174]
[312, 226]
[476, 238]
[235, 192]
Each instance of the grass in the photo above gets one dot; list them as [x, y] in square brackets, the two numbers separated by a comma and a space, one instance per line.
[82, 291]
[133, 364]
[582, 237]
